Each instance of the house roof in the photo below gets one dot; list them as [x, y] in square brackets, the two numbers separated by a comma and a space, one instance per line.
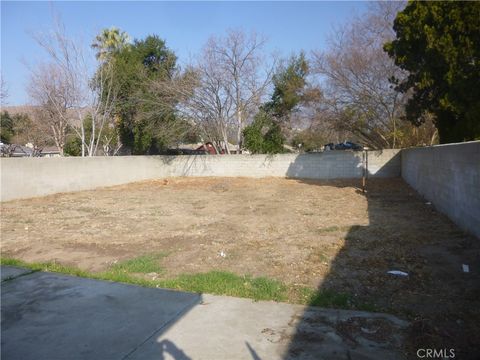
[17, 150]
[192, 146]
[50, 150]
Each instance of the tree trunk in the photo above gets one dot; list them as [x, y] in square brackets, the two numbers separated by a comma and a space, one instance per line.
[239, 131]
[225, 140]
[394, 133]
[82, 129]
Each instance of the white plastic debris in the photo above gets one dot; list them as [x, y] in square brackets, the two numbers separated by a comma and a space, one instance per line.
[397, 273]
[368, 331]
[222, 254]
[465, 268]
[428, 203]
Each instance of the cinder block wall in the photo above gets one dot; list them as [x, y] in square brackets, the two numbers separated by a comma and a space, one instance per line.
[446, 175]
[449, 177]
[30, 177]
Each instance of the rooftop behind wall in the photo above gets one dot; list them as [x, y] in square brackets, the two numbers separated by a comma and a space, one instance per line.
[30, 177]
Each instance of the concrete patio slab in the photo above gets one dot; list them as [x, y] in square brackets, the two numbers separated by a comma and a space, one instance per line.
[52, 316]
[11, 272]
[232, 328]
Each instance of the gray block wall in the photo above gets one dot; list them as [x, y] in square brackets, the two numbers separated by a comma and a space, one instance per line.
[449, 177]
[446, 175]
[30, 177]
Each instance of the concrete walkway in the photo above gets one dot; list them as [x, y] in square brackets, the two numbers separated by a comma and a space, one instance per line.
[52, 316]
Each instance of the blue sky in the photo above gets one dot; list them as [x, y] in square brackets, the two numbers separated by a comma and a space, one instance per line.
[186, 26]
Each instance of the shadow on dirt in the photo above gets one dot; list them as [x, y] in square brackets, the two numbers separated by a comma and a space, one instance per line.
[406, 234]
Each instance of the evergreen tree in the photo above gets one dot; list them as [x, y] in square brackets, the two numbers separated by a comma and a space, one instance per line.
[438, 43]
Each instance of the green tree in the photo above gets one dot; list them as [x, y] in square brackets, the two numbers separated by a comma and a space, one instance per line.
[73, 146]
[289, 83]
[108, 42]
[264, 135]
[6, 127]
[438, 43]
[134, 68]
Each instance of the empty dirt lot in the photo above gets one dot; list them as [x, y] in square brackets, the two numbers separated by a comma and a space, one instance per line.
[323, 235]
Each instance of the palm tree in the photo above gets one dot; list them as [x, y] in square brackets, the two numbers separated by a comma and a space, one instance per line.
[109, 41]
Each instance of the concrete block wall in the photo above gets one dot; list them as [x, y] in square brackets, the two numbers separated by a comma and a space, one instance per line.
[327, 165]
[30, 177]
[449, 177]
[446, 175]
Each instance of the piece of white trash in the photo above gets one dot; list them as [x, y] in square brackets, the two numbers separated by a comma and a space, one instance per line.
[466, 268]
[222, 254]
[397, 272]
[368, 331]
[428, 203]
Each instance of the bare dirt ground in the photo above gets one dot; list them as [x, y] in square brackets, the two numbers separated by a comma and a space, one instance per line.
[325, 235]
[286, 229]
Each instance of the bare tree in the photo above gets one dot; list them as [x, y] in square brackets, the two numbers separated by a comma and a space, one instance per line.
[49, 90]
[245, 76]
[3, 90]
[356, 73]
[70, 93]
[199, 99]
[101, 99]
[210, 104]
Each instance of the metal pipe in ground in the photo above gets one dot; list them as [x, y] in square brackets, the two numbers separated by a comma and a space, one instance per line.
[365, 169]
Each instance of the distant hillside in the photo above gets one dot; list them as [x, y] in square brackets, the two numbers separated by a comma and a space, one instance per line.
[20, 109]
[30, 111]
